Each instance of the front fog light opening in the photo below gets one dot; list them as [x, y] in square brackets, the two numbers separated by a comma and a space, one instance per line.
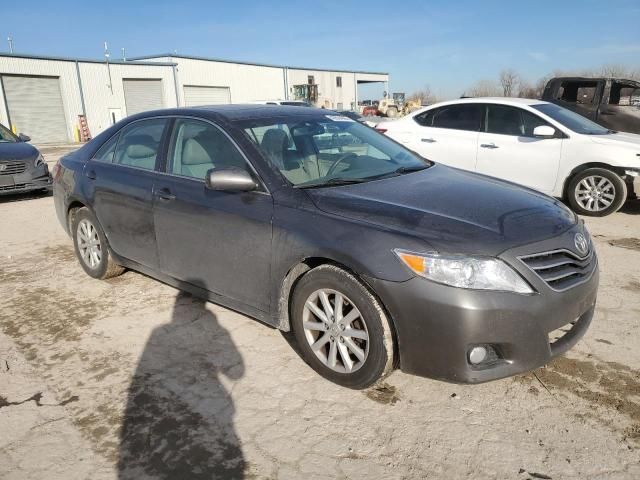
[481, 355]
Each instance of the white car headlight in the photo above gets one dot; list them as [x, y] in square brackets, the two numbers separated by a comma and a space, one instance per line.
[38, 161]
[460, 271]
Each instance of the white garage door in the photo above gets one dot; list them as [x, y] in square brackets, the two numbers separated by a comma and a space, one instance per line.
[196, 95]
[142, 95]
[35, 107]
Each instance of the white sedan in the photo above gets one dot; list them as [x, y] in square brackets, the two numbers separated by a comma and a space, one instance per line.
[530, 142]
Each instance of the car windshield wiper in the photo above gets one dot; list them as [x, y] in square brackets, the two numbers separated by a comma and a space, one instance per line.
[399, 171]
[348, 181]
[335, 181]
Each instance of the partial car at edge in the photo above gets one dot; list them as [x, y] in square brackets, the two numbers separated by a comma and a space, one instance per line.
[22, 167]
[530, 142]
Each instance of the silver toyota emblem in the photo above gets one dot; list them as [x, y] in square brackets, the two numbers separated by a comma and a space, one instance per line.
[580, 241]
[3, 167]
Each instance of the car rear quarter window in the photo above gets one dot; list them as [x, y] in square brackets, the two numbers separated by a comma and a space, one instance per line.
[107, 150]
[139, 143]
[458, 117]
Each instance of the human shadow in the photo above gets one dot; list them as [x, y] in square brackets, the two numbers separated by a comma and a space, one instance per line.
[178, 422]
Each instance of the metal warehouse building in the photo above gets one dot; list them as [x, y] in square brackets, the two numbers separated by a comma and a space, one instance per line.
[48, 98]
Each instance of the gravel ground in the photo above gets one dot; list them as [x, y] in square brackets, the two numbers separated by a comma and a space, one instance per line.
[129, 378]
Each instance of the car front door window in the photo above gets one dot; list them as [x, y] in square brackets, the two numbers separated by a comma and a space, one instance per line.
[507, 120]
[197, 147]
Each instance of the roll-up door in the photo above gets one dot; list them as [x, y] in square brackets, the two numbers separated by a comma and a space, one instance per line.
[35, 107]
[197, 95]
[141, 95]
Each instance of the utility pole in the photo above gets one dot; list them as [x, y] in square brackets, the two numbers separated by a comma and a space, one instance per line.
[124, 55]
[10, 40]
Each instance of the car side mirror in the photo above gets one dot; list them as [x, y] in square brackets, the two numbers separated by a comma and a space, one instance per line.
[230, 180]
[544, 131]
[24, 138]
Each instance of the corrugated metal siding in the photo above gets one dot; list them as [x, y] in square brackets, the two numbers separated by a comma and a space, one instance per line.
[35, 107]
[202, 95]
[99, 98]
[246, 82]
[329, 95]
[65, 71]
[142, 95]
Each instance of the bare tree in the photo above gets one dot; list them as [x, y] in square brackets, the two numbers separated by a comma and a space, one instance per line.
[526, 90]
[483, 88]
[614, 70]
[423, 96]
[509, 80]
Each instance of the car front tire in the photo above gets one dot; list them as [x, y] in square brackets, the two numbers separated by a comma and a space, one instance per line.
[596, 192]
[91, 246]
[341, 328]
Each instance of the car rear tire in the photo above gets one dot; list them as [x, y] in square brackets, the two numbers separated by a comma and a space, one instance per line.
[341, 328]
[91, 246]
[596, 192]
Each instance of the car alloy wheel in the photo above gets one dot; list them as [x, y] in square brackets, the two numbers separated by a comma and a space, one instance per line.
[335, 330]
[89, 244]
[595, 193]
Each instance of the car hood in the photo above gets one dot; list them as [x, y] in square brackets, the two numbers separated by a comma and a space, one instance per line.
[454, 211]
[630, 139]
[17, 151]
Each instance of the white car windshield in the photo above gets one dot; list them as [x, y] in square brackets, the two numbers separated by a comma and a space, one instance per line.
[329, 149]
[571, 120]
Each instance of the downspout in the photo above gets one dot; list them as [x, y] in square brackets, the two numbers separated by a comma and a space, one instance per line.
[285, 72]
[84, 110]
[175, 84]
[6, 105]
[355, 89]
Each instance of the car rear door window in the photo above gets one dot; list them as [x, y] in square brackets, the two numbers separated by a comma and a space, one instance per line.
[458, 117]
[507, 120]
[106, 152]
[139, 143]
[198, 146]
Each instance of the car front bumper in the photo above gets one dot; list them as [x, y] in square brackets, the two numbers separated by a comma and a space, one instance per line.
[37, 178]
[437, 325]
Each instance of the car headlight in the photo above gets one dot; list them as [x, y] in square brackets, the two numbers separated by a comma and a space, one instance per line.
[39, 160]
[460, 271]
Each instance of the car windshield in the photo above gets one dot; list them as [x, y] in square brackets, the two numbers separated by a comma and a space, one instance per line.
[571, 120]
[6, 136]
[329, 150]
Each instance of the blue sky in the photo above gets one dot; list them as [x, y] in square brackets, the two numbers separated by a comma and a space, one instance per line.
[446, 45]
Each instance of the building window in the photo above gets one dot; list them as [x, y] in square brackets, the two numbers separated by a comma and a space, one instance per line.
[339, 82]
[310, 80]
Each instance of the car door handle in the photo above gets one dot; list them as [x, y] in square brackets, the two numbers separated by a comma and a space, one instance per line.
[165, 194]
[428, 140]
[90, 174]
[489, 145]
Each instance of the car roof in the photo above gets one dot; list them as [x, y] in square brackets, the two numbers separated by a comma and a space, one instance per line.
[239, 111]
[501, 100]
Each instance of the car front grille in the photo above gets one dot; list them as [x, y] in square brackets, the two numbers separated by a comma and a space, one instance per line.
[12, 168]
[562, 269]
[17, 186]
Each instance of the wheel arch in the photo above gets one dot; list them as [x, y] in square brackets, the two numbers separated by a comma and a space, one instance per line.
[72, 209]
[586, 166]
[297, 271]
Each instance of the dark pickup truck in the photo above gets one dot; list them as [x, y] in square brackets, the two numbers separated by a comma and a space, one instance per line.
[614, 103]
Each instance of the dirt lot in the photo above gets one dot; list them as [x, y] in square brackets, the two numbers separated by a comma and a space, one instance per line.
[203, 392]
